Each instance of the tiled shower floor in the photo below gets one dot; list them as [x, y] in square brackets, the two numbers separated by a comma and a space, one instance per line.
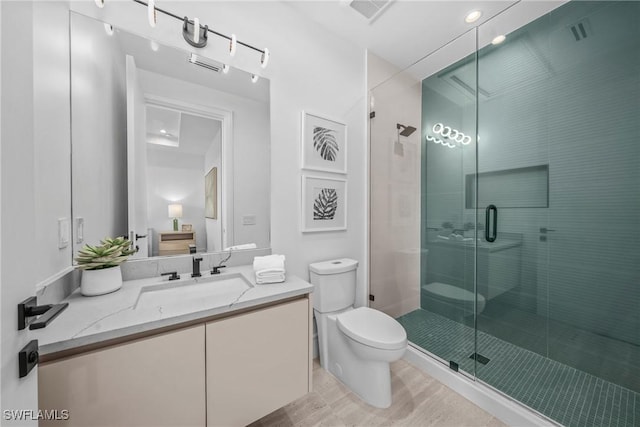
[562, 393]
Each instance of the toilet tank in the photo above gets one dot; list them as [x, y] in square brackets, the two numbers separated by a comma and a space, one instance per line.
[335, 284]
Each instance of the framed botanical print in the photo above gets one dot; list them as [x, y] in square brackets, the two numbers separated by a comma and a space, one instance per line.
[324, 144]
[324, 204]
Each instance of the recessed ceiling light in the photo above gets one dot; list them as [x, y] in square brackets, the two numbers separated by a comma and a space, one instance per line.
[162, 131]
[498, 39]
[472, 16]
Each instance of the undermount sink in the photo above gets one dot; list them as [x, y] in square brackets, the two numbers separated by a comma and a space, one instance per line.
[210, 291]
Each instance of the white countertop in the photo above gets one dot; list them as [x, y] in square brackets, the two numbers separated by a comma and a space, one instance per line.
[91, 320]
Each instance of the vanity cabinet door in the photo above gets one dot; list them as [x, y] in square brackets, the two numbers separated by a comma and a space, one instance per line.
[257, 362]
[154, 381]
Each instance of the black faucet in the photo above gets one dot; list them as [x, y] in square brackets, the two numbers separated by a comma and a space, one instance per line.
[172, 275]
[216, 270]
[196, 267]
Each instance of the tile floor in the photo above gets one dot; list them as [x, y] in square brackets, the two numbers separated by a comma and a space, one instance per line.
[418, 400]
[570, 396]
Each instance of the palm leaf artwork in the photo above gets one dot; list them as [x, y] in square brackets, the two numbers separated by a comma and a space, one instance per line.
[325, 205]
[324, 141]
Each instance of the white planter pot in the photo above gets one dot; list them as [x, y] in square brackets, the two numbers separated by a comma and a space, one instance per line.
[100, 282]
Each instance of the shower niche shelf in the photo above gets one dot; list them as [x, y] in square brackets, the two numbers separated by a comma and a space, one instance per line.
[526, 187]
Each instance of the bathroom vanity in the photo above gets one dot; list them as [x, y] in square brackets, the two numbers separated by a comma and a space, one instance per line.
[146, 356]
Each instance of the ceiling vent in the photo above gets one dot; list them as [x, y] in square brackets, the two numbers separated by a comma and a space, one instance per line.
[370, 9]
[580, 30]
[209, 65]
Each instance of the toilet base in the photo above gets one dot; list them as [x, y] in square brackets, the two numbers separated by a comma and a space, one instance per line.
[368, 379]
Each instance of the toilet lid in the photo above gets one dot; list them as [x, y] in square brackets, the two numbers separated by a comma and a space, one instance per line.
[373, 328]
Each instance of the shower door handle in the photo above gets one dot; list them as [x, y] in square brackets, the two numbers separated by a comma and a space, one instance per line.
[491, 236]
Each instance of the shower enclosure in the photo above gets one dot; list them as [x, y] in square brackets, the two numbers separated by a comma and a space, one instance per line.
[505, 235]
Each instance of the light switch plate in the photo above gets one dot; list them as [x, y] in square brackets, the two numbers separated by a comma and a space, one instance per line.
[79, 229]
[63, 233]
[248, 220]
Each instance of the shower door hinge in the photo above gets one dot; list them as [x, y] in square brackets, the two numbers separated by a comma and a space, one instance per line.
[371, 297]
[372, 114]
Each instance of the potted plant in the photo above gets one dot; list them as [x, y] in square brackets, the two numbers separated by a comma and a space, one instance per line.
[100, 265]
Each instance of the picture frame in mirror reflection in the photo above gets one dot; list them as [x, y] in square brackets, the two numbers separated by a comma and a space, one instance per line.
[324, 204]
[211, 194]
[324, 144]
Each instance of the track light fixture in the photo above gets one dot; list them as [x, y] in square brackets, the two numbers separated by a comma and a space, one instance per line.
[108, 28]
[99, 3]
[254, 78]
[195, 34]
[225, 68]
[233, 45]
[191, 31]
[264, 60]
[152, 16]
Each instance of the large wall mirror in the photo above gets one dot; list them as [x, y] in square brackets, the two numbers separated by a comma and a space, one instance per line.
[168, 147]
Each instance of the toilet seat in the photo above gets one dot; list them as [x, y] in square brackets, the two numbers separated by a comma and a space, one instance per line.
[454, 294]
[372, 328]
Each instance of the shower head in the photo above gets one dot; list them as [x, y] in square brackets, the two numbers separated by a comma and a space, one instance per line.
[406, 130]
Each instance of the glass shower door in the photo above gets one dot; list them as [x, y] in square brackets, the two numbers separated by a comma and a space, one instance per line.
[444, 323]
[558, 155]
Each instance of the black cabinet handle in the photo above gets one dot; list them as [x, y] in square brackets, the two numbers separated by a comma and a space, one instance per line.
[490, 235]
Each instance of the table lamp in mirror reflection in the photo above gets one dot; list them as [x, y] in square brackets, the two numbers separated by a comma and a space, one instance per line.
[175, 212]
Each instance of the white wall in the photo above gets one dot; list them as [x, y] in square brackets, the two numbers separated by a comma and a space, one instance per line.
[18, 181]
[173, 173]
[395, 188]
[1, 192]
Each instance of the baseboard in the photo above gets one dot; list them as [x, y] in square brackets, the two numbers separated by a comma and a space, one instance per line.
[497, 404]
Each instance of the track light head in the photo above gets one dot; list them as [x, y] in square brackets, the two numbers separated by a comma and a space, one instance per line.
[233, 45]
[264, 60]
[152, 16]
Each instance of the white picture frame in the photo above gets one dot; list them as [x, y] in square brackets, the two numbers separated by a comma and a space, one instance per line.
[324, 204]
[324, 144]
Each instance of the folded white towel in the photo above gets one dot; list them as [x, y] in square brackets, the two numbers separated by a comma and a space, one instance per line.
[269, 269]
[241, 247]
[275, 275]
[267, 262]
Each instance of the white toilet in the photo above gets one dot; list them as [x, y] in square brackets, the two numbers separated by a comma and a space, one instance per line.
[356, 344]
